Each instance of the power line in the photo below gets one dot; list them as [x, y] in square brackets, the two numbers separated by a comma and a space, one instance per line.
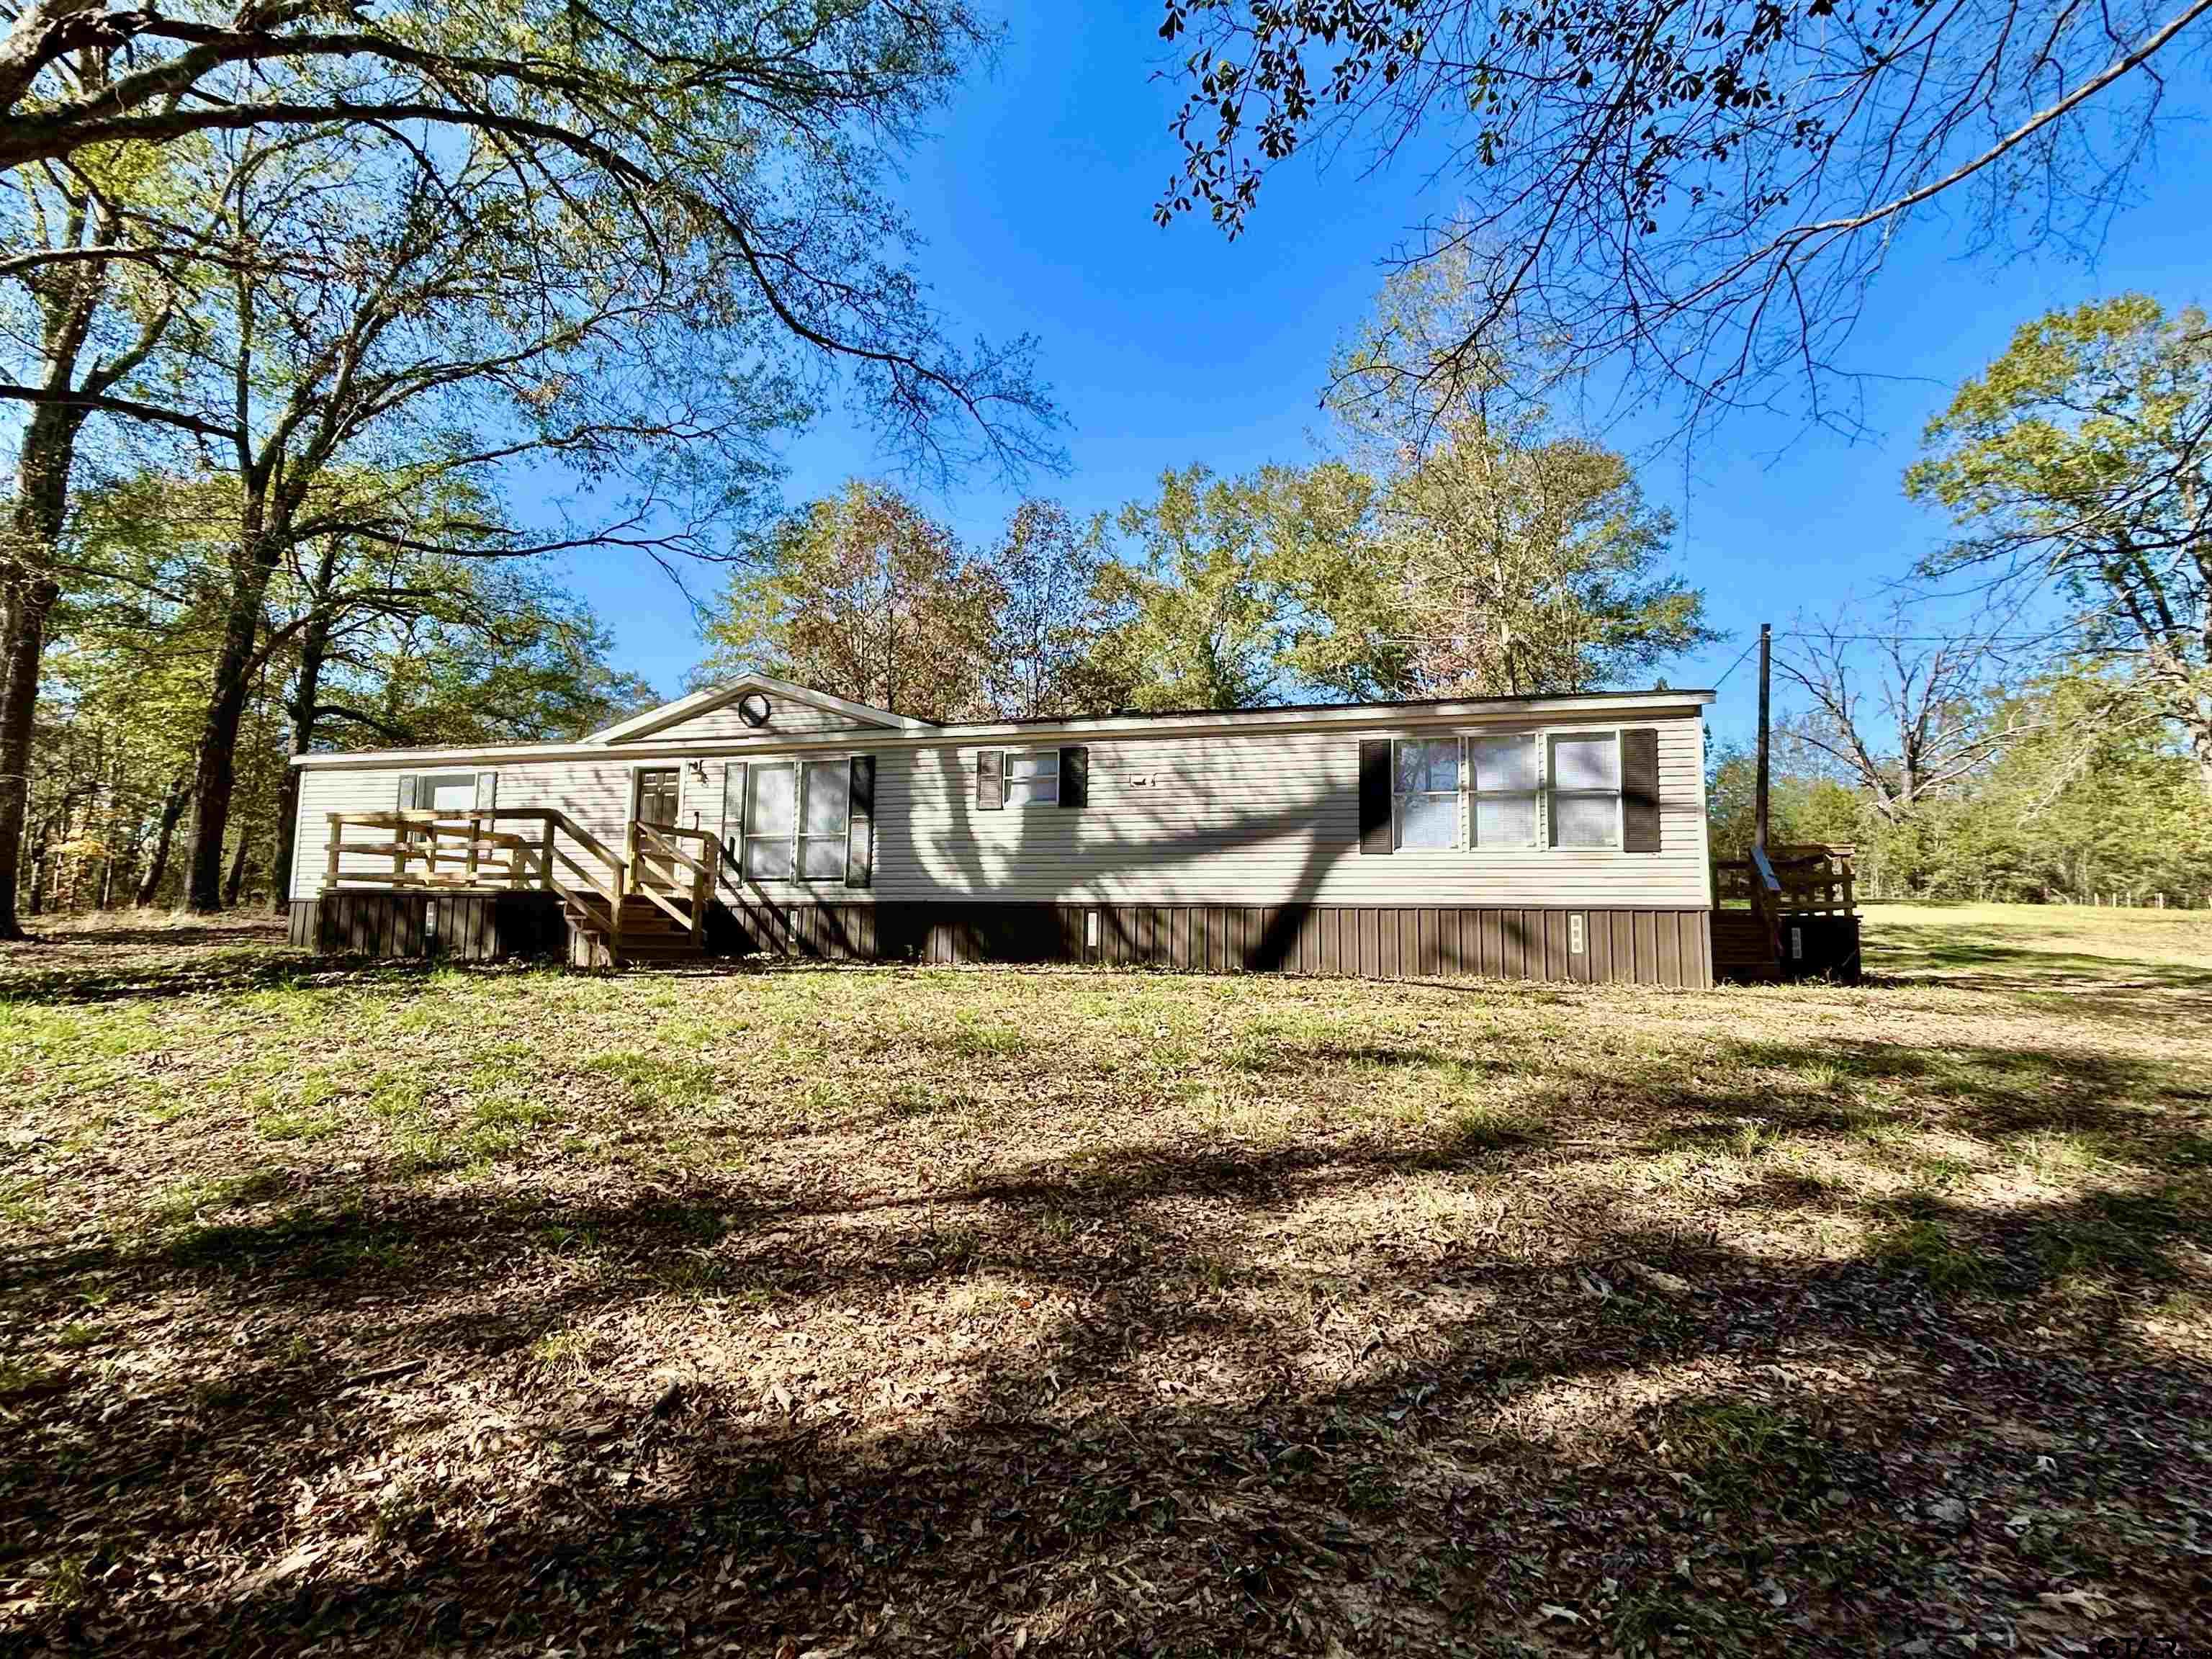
[1737, 664]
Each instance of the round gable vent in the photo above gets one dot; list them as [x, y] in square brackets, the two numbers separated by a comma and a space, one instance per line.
[753, 708]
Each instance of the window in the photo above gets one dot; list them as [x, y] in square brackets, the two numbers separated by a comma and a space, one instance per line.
[445, 792]
[1586, 790]
[1033, 777]
[827, 808]
[1505, 787]
[1426, 792]
[797, 814]
[771, 817]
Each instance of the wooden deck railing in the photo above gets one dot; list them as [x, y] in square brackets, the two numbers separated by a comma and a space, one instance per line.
[432, 851]
[670, 877]
[1807, 880]
[1817, 880]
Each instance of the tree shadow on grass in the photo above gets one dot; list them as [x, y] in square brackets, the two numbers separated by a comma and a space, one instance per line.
[1149, 1431]
[1967, 957]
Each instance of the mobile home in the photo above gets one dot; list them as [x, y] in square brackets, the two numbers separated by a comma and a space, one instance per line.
[1552, 837]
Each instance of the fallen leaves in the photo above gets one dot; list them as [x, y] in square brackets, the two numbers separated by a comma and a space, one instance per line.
[1213, 1316]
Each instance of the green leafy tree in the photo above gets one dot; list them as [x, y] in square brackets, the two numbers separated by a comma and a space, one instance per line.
[2082, 456]
[1527, 564]
[2085, 803]
[1196, 618]
[1803, 807]
[1345, 622]
[1048, 623]
[865, 596]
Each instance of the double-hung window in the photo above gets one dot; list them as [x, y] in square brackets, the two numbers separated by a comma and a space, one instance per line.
[825, 813]
[1426, 794]
[445, 792]
[1033, 777]
[1586, 790]
[1503, 790]
[797, 816]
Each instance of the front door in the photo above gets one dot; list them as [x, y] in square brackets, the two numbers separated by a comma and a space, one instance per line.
[656, 797]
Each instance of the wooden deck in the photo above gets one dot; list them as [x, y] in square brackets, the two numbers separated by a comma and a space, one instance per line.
[646, 902]
[1790, 912]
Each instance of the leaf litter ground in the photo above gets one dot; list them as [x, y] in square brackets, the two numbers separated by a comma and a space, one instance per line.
[802, 1310]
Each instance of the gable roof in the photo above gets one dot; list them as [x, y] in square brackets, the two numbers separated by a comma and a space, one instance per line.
[715, 697]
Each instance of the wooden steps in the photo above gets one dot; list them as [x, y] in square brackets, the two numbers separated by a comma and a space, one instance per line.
[650, 936]
[1742, 953]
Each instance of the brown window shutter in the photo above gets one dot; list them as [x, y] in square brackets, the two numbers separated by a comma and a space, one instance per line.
[1374, 834]
[1639, 790]
[1075, 775]
[990, 780]
[860, 827]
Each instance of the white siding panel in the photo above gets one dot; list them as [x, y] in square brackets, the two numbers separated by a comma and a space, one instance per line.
[595, 794]
[1268, 818]
[1265, 819]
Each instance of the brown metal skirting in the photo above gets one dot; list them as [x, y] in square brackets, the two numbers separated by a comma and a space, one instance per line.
[1644, 946]
[1651, 947]
[457, 927]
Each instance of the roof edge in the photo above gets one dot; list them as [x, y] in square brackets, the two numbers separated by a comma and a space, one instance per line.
[714, 697]
[916, 733]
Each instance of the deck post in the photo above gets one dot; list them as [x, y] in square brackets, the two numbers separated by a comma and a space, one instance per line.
[335, 846]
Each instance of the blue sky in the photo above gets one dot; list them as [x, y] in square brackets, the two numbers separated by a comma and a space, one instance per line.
[1167, 346]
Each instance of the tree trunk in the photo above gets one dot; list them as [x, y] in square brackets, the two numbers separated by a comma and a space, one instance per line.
[215, 759]
[28, 607]
[172, 809]
[67, 307]
[28, 593]
[236, 879]
[34, 902]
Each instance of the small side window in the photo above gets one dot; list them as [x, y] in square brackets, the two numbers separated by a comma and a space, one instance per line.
[1033, 777]
[1586, 790]
[445, 792]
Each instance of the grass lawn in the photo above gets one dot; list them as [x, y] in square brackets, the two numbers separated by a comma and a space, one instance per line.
[829, 1311]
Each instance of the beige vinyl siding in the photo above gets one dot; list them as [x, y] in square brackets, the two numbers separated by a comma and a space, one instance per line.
[1267, 818]
[1264, 818]
[596, 795]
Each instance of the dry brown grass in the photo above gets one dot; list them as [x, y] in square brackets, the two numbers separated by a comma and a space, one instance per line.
[898, 1311]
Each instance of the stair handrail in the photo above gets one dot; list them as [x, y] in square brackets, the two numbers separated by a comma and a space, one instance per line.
[610, 890]
[1766, 899]
[658, 841]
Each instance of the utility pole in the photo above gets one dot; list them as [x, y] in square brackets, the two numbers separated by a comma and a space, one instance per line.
[1766, 687]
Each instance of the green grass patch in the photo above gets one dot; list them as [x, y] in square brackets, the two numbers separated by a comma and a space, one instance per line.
[976, 1037]
[1926, 1247]
[1747, 1451]
[658, 1082]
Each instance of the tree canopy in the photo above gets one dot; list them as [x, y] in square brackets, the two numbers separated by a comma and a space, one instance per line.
[2083, 458]
[1698, 192]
